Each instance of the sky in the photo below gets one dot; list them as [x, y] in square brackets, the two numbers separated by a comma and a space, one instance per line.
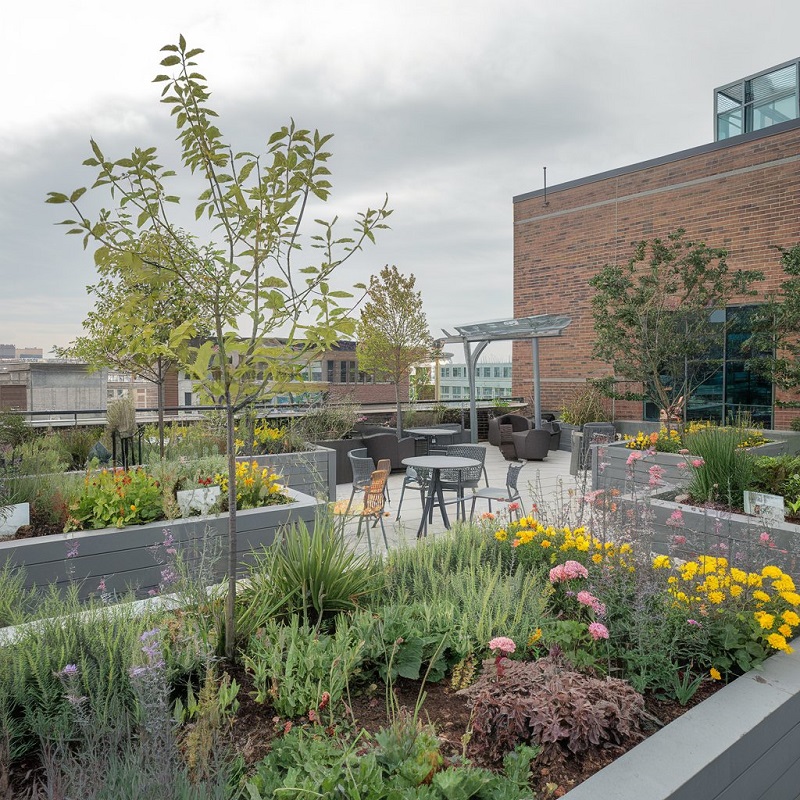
[449, 108]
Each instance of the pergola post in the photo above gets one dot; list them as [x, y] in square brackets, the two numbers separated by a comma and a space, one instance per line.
[537, 388]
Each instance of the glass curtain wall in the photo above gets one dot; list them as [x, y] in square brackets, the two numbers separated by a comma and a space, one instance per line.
[723, 387]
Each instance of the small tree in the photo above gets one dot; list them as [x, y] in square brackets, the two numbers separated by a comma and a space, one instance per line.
[654, 320]
[393, 333]
[139, 344]
[774, 347]
[249, 281]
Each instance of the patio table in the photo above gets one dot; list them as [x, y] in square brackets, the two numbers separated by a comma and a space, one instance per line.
[432, 434]
[435, 493]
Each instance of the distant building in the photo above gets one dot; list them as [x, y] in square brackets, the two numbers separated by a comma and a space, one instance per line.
[492, 380]
[14, 353]
[51, 386]
[8, 351]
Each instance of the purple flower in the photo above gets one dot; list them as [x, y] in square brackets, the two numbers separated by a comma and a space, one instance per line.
[72, 549]
[70, 669]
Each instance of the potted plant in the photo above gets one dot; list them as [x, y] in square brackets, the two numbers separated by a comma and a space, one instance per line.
[587, 405]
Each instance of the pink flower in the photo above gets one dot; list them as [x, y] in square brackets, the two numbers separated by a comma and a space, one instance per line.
[503, 644]
[656, 474]
[679, 540]
[698, 462]
[568, 571]
[633, 458]
[764, 537]
[598, 631]
[675, 519]
[588, 599]
[694, 622]
[513, 506]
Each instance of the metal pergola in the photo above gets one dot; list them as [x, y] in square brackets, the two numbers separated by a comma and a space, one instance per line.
[481, 334]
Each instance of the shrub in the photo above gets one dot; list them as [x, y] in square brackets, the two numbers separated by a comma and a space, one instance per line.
[587, 405]
[550, 704]
[327, 422]
[724, 471]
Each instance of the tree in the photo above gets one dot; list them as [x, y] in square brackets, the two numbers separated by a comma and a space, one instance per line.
[393, 333]
[774, 347]
[137, 344]
[653, 317]
[249, 278]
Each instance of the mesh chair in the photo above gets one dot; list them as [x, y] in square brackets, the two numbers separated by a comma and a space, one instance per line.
[363, 467]
[508, 495]
[456, 480]
[374, 503]
[417, 479]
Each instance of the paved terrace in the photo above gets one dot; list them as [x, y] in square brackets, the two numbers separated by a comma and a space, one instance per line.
[548, 483]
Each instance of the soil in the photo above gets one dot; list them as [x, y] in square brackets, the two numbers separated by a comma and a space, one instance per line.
[257, 725]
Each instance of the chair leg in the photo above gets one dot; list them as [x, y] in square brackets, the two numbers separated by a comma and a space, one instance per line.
[383, 531]
[350, 501]
[400, 503]
[472, 509]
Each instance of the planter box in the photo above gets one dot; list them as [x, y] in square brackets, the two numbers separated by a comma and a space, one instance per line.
[610, 469]
[565, 443]
[344, 469]
[740, 744]
[15, 517]
[132, 557]
[311, 472]
[709, 527]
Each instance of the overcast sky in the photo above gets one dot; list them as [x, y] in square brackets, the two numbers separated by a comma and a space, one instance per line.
[450, 108]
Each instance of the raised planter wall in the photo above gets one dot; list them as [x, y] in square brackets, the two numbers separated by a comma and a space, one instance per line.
[311, 472]
[132, 557]
[610, 469]
[743, 743]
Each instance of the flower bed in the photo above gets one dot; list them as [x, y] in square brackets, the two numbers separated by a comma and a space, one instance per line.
[114, 559]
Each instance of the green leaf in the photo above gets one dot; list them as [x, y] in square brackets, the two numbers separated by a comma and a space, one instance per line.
[56, 197]
[170, 61]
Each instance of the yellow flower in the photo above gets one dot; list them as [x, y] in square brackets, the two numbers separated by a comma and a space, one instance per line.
[785, 630]
[133, 508]
[716, 597]
[740, 576]
[735, 591]
[791, 618]
[545, 543]
[597, 558]
[753, 579]
[791, 597]
[784, 584]
[715, 674]
[777, 642]
[771, 571]
[762, 596]
[766, 621]
[534, 637]
[501, 535]
[661, 562]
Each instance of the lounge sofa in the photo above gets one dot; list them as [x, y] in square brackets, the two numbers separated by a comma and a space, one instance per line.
[516, 421]
[387, 445]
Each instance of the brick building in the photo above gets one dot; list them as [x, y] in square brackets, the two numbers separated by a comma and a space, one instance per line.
[739, 192]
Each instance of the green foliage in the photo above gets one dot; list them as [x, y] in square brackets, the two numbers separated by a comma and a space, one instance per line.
[75, 445]
[316, 575]
[773, 347]
[587, 405]
[327, 422]
[116, 498]
[294, 667]
[777, 475]
[121, 417]
[393, 334]
[653, 315]
[15, 599]
[726, 470]
[14, 430]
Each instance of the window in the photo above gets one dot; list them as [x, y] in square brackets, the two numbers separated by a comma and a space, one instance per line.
[727, 388]
[456, 391]
[445, 390]
[506, 372]
[445, 372]
[330, 365]
[757, 102]
[187, 398]
[497, 372]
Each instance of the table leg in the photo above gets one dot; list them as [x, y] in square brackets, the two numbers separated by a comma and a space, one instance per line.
[435, 491]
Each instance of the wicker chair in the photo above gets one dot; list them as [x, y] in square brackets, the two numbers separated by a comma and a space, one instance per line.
[363, 467]
[516, 421]
[374, 504]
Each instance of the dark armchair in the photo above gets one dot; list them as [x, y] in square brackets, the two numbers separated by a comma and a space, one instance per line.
[516, 421]
[532, 445]
[387, 445]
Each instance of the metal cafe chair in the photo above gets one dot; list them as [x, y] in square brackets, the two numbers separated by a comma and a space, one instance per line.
[509, 494]
[363, 467]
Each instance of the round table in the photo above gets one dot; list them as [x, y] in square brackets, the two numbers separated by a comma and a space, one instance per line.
[431, 434]
[436, 464]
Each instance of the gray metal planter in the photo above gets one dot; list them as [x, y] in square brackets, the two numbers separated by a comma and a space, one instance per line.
[309, 471]
[743, 742]
[135, 557]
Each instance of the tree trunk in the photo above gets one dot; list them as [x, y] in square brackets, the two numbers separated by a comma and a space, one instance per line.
[230, 603]
[399, 411]
[161, 403]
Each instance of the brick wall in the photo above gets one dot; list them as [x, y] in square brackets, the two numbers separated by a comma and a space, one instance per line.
[741, 194]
